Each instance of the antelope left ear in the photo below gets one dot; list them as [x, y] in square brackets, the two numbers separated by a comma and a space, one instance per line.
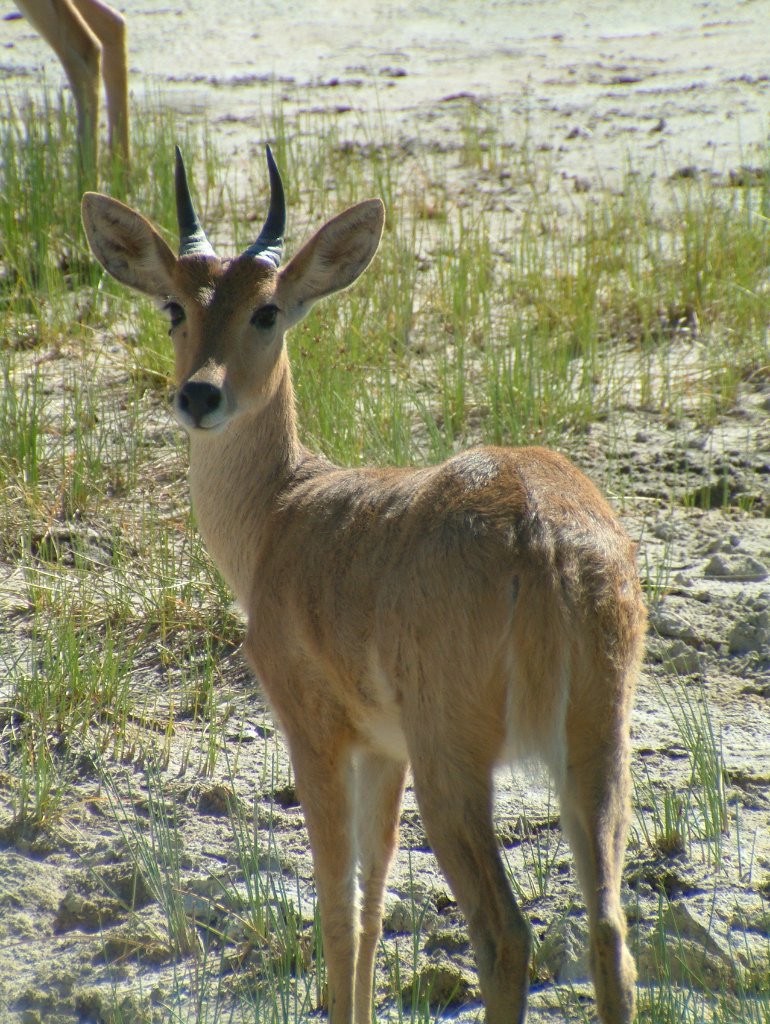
[333, 258]
[128, 246]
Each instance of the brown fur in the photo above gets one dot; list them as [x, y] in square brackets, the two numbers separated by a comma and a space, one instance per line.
[449, 618]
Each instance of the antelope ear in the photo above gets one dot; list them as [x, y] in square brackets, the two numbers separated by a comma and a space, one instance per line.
[333, 258]
[128, 246]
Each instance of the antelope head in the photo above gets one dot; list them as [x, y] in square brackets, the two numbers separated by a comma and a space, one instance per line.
[228, 316]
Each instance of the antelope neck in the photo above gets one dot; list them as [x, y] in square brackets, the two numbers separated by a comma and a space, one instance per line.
[235, 476]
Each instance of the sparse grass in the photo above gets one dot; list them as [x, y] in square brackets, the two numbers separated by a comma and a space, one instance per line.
[674, 820]
[473, 326]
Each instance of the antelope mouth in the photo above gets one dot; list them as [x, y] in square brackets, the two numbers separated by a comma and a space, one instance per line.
[203, 427]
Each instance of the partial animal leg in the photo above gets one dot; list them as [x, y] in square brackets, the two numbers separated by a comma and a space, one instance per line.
[320, 743]
[323, 774]
[379, 788]
[79, 53]
[595, 808]
[110, 29]
[454, 792]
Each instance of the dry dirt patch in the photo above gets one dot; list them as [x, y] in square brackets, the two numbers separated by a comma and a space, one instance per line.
[681, 88]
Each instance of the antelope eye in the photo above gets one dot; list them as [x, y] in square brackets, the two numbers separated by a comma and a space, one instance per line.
[265, 316]
[174, 312]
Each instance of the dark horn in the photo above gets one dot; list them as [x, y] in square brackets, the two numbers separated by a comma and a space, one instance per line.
[269, 245]
[192, 238]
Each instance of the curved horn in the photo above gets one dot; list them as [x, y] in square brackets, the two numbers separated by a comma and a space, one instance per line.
[192, 238]
[269, 245]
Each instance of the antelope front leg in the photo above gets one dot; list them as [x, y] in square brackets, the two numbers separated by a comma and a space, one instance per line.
[321, 755]
[379, 788]
[324, 786]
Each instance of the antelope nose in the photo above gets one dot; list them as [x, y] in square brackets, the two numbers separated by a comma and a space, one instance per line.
[197, 400]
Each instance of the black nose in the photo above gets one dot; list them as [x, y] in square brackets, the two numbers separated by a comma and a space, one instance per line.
[198, 399]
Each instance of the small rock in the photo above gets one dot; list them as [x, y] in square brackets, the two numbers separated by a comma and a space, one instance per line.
[398, 917]
[684, 581]
[683, 962]
[442, 984]
[127, 884]
[286, 796]
[756, 919]
[404, 916]
[753, 690]
[92, 1006]
[740, 177]
[269, 861]
[89, 1005]
[751, 634]
[451, 940]
[73, 544]
[736, 568]
[679, 921]
[686, 952]
[689, 171]
[216, 801]
[75, 911]
[200, 908]
[13, 595]
[681, 658]
[120, 945]
[250, 733]
[667, 623]
[563, 952]
[667, 531]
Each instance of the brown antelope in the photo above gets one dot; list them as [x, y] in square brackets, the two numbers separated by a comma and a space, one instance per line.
[89, 38]
[449, 618]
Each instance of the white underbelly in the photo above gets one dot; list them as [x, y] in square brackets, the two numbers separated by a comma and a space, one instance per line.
[380, 729]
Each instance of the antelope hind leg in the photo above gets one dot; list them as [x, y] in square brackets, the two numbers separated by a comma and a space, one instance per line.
[455, 799]
[595, 808]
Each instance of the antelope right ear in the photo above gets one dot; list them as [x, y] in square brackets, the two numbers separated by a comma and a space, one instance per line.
[128, 246]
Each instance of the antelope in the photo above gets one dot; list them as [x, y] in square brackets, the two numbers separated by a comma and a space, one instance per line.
[89, 38]
[450, 618]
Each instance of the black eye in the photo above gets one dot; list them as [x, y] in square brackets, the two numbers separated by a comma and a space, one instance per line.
[265, 316]
[175, 313]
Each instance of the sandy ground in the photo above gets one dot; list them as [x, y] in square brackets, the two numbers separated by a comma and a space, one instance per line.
[674, 85]
[596, 81]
